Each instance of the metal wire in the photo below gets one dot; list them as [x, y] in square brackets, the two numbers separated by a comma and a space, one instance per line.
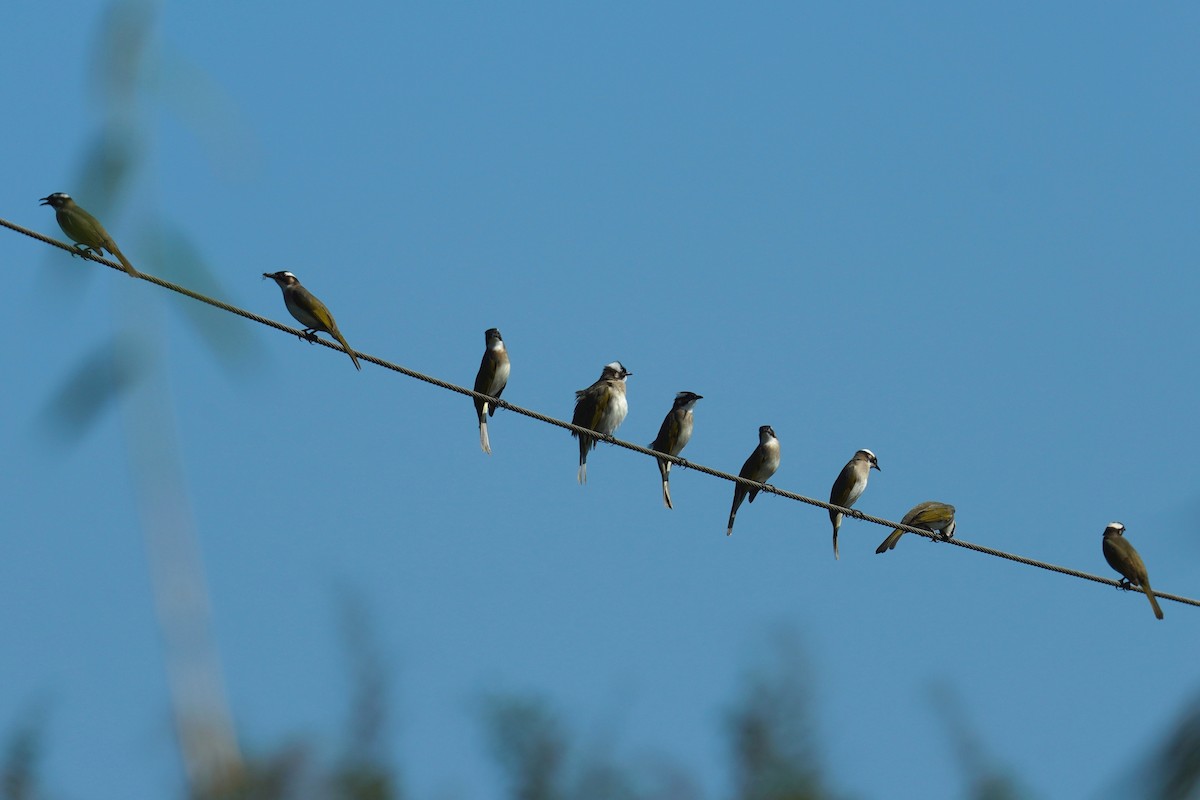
[676, 460]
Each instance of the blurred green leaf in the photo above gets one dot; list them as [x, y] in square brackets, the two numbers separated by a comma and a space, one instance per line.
[177, 259]
[97, 381]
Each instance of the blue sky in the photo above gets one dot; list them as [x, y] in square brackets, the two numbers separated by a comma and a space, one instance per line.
[963, 237]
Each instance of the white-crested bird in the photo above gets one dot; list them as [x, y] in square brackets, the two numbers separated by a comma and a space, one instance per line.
[602, 408]
[850, 484]
[308, 310]
[1121, 556]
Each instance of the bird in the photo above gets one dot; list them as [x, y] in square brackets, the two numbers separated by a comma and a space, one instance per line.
[930, 515]
[1121, 556]
[602, 408]
[309, 311]
[673, 436]
[760, 466]
[491, 380]
[84, 229]
[849, 486]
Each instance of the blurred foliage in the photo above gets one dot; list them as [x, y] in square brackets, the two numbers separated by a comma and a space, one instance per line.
[773, 746]
[771, 735]
[540, 759]
[985, 780]
[19, 769]
[1172, 770]
[97, 380]
[128, 60]
[529, 745]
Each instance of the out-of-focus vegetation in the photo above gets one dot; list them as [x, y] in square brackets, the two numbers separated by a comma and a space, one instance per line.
[773, 739]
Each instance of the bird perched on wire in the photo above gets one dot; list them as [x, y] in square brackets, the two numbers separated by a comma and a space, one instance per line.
[930, 515]
[1121, 556]
[85, 230]
[849, 486]
[602, 408]
[760, 466]
[309, 311]
[490, 380]
[673, 436]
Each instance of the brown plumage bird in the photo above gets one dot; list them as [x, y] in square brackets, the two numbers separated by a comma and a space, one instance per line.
[760, 466]
[490, 380]
[1121, 556]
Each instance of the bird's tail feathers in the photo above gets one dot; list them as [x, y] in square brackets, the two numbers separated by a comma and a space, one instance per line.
[342, 341]
[1153, 600]
[890, 541]
[667, 494]
[483, 435]
[133, 273]
[582, 472]
[739, 494]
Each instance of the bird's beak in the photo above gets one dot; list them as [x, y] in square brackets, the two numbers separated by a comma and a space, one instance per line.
[268, 275]
[45, 201]
[876, 467]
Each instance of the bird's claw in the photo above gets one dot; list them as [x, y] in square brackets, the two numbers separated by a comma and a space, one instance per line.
[310, 335]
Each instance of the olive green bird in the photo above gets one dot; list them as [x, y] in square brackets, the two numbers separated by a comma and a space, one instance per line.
[1121, 556]
[930, 515]
[85, 230]
[309, 311]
